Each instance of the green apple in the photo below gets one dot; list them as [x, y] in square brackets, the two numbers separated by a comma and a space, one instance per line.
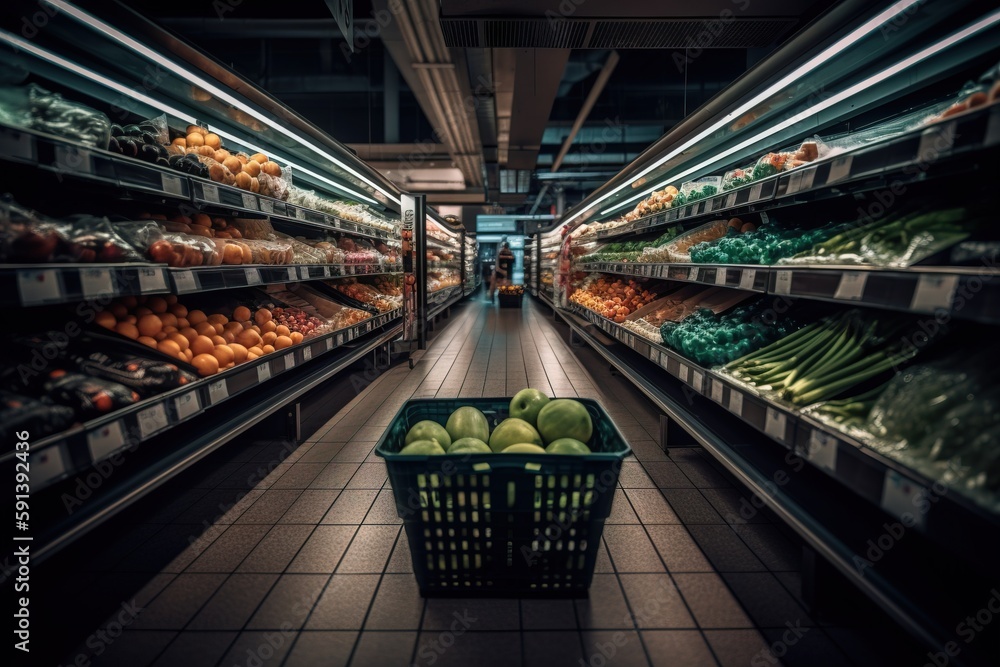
[526, 404]
[428, 430]
[468, 422]
[512, 431]
[523, 448]
[423, 448]
[565, 418]
[567, 446]
[469, 446]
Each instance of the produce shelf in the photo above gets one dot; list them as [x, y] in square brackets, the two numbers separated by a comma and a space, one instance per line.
[963, 292]
[880, 480]
[130, 175]
[441, 299]
[73, 451]
[876, 165]
[46, 284]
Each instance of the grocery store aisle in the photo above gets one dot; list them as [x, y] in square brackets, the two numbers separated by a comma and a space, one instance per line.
[311, 566]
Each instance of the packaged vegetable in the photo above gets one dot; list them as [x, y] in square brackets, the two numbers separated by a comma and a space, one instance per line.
[145, 376]
[89, 397]
[678, 249]
[38, 416]
[55, 115]
[175, 249]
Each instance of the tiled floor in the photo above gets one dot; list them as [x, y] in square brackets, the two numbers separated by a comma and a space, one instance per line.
[310, 567]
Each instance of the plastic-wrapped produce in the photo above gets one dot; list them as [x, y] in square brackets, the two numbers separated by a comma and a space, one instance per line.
[27, 237]
[146, 376]
[175, 249]
[367, 294]
[761, 246]
[736, 178]
[55, 115]
[39, 416]
[90, 397]
[273, 252]
[678, 250]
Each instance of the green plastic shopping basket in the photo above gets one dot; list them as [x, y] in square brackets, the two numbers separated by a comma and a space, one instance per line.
[502, 525]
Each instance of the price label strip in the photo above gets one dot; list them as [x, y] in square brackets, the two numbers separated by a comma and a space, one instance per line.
[290, 361]
[697, 380]
[263, 372]
[840, 168]
[852, 286]
[747, 278]
[720, 276]
[152, 280]
[210, 192]
[249, 201]
[717, 391]
[307, 353]
[783, 282]
[736, 402]
[96, 283]
[822, 450]
[184, 281]
[171, 184]
[900, 496]
[253, 276]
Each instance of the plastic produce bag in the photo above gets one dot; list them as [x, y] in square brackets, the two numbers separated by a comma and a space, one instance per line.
[90, 397]
[146, 376]
[55, 115]
[39, 416]
[144, 140]
[175, 249]
[678, 249]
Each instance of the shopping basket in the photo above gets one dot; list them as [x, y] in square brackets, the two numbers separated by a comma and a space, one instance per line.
[502, 525]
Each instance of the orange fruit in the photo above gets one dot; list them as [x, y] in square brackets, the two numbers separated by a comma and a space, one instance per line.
[131, 319]
[248, 338]
[262, 315]
[218, 318]
[171, 299]
[118, 310]
[218, 340]
[268, 349]
[182, 323]
[130, 301]
[188, 355]
[269, 337]
[282, 330]
[168, 346]
[251, 356]
[257, 329]
[224, 355]
[202, 345]
[229, 337]
[256, 349]
[239, 352]
[150, 325]
[141, 311]
[206, 364]
[147, 341]
[281, 342]
[128, 330]
[179, 310]
[157, 304]
[181, 340]
[106, 319]
[160, 336]
[241, 314]
[205, 329]
[296, 337]
[196, 317]
[189, 333]
[169, 320]
[268, 326]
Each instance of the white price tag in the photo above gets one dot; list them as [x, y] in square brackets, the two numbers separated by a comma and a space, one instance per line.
[218, 391]
[774, 424]
[693, 274]
[47, 464]
[264, 372]
[783, 282]
[289, 361]
[38, 286]
[764, 219]
[717, 391]
[151, 420]
[736, 402]
[105, 439]
[184, 281]
[899, 497]
[187, 405]
[152, 280]
[304, 272]
[852, 285]
[755, 191]
[300, 213]
[307, 353]
[720, 276]
[71, 158]
[326, 272]
[682, 373]
[840, 168]
[934, 292]
[731, 200]
[329, 344]
[654, 355]
[266, 205]
[210, 192]
[808, 176]
[96, 282]
[747, 278]
[822, 450]
[794, 183]
[292, 275]
[171, 184]
[252, 276]
[249, 201]
[697, 380]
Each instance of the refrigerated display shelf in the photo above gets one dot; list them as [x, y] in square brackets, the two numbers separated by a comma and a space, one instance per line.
[73, 451]
[963, 292]
[68, 158]
[871, 475]
[802, 499]
[893, 162]
[442, 299]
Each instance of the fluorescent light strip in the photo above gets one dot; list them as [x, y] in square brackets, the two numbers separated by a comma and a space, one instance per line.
[970, 30]
[160, 61]
[48, 56]
[833, 50]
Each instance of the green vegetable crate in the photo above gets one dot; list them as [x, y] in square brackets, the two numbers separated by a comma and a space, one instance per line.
[502, 525]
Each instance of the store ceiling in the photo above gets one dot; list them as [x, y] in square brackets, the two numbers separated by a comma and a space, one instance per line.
[473, 100]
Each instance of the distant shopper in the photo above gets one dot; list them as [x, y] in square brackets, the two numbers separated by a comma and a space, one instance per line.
[505, 265]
